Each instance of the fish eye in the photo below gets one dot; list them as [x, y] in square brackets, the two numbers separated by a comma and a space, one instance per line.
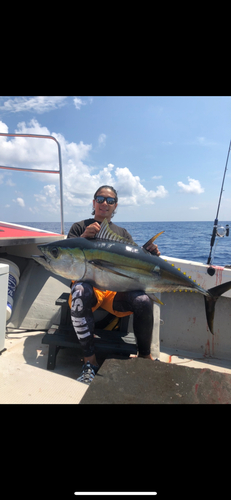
[55, 252]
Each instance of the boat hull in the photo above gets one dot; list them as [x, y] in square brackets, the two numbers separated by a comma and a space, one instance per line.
[185, 328]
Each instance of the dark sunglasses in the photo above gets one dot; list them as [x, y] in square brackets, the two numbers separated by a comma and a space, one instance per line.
[108, 199]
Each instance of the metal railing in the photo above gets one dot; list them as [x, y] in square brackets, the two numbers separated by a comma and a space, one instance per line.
[42, 171]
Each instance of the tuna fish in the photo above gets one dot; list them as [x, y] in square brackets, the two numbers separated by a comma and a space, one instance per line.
[110, 262]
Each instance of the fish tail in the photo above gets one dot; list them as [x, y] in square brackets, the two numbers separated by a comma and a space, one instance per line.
[211, 299]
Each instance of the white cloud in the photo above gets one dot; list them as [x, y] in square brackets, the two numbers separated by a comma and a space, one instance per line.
[28, 152]
[20, 202]
[79, 180]
[161, 192]
[194, 208]
[132, 192]
[38, 104]
[3, 129]
[102, 140]
[78, 102]
[41, 199]
[157, 176]
[49, 199]
[9, 182]
[193, 186]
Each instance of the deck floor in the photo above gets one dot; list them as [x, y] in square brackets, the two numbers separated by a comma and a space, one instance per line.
[24, 378]
[142, 381]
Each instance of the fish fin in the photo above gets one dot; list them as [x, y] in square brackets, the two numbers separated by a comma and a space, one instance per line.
[105, 266]
[106, 233]
[211, 299]
[154, 298]
[152, 239]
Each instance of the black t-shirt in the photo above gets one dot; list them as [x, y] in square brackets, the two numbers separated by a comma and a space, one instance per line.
[78, 228]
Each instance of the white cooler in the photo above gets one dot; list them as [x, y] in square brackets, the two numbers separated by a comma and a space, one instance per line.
[4, 274]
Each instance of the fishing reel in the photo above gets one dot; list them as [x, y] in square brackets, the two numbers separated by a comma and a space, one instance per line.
[221, 232]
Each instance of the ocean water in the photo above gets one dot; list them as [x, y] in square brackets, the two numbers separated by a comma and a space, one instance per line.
[184, 240]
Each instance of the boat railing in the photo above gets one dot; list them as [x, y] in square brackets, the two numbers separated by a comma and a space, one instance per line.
[40, 170]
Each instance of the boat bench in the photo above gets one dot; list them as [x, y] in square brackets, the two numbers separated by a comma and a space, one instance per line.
[119, 341]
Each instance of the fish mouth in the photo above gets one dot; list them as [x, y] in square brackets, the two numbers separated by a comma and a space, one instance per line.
[40, 258]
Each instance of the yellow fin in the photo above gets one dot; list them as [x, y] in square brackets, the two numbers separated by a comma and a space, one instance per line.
[154, 298]
[152, 239]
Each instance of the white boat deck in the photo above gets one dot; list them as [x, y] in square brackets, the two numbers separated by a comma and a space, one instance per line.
[24, 378]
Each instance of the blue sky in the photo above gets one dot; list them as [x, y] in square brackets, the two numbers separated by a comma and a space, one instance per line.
[164, 155]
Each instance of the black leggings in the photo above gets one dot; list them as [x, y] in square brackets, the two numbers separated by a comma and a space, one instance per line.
[83, 299]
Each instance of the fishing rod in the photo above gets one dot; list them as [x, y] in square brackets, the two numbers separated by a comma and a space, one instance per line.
[215, 230]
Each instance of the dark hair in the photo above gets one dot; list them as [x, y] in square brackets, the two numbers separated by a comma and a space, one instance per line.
[107, 187]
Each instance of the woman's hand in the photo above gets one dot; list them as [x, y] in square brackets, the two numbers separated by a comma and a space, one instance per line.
[153, 248]
[91, 230]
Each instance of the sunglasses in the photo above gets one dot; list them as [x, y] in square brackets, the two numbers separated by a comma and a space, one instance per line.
[108, 199]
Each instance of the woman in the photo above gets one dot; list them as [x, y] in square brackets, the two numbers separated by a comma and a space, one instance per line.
[86, 299]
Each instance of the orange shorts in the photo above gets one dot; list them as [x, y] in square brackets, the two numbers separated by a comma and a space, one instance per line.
[104, 300]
